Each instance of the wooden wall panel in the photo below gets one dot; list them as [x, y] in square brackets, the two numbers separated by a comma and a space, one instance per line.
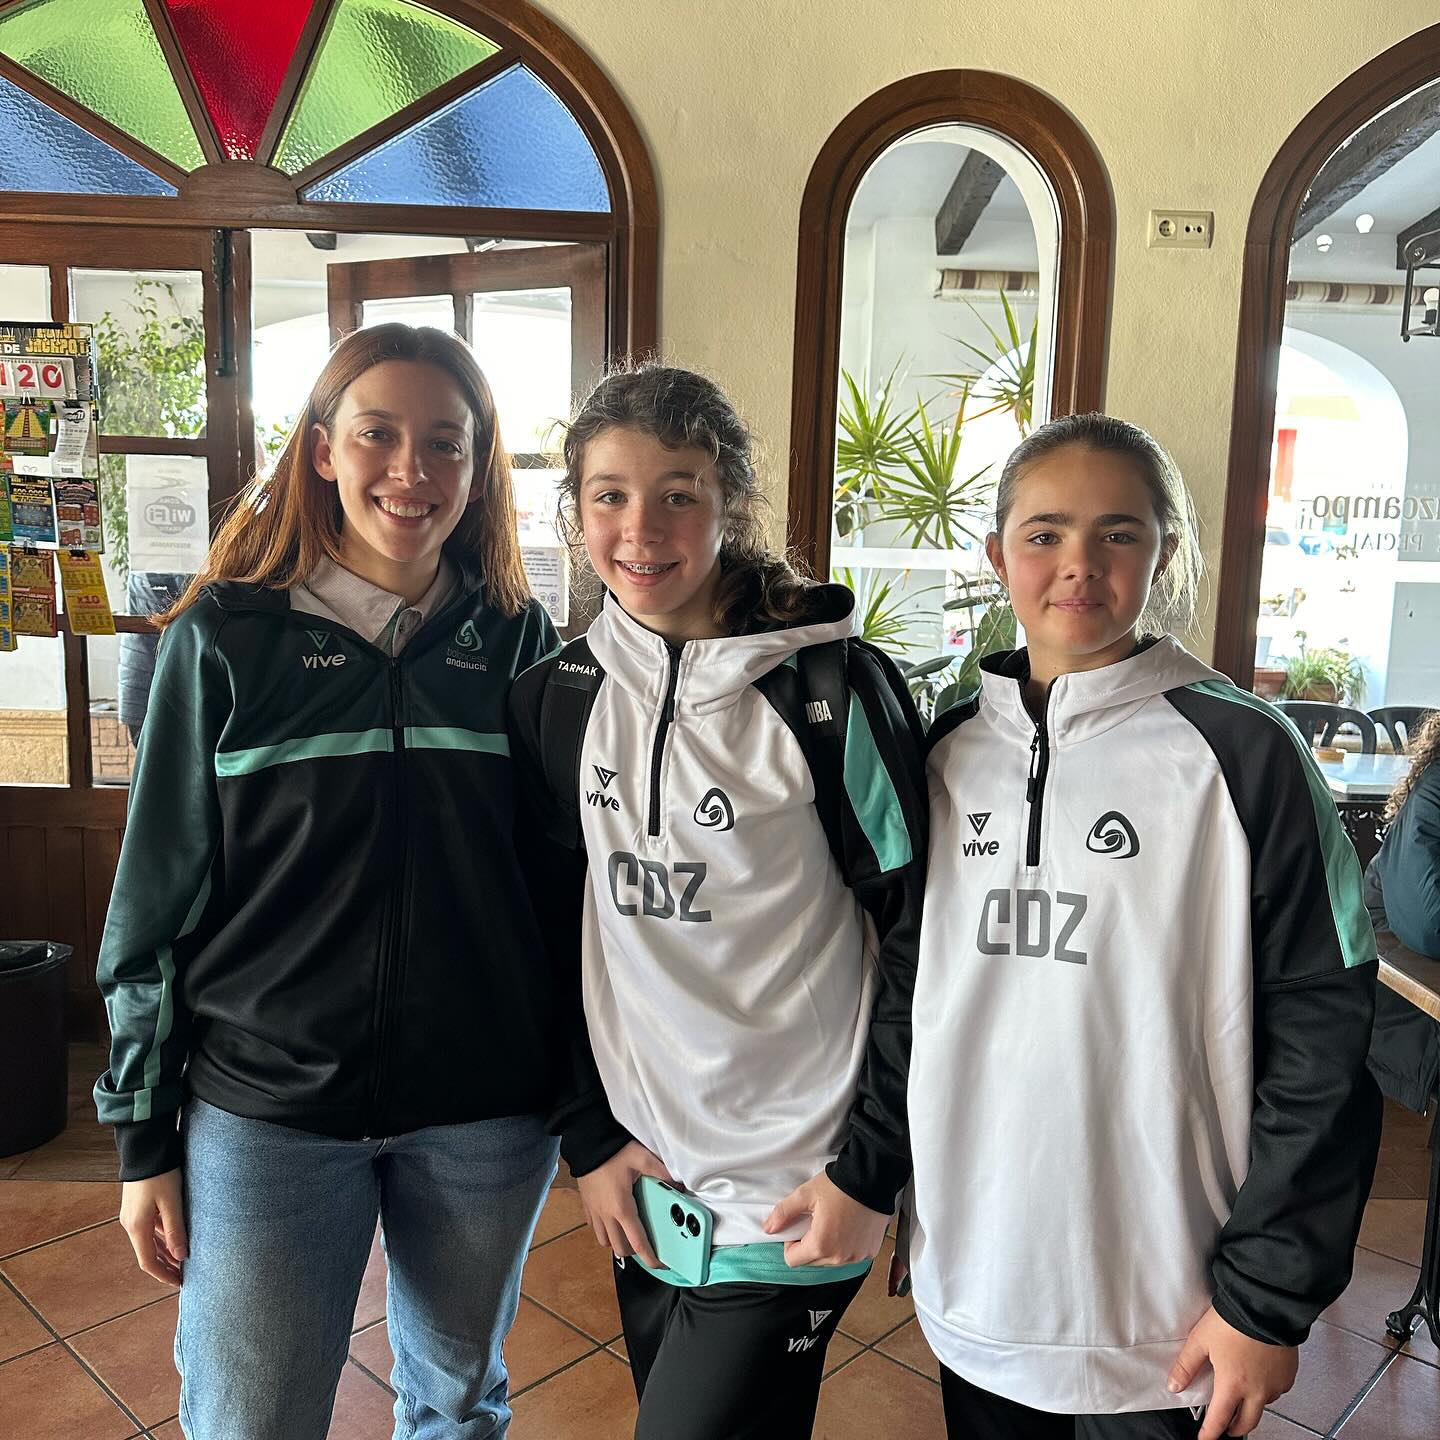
[56, 886]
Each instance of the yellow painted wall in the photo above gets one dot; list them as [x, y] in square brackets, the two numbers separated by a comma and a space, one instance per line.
[1185, 100]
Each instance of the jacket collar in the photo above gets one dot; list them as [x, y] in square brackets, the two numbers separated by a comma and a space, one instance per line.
[1087, 702]
[712, 674]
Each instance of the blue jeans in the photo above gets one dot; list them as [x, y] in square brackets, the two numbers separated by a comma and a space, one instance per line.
[280, 1224]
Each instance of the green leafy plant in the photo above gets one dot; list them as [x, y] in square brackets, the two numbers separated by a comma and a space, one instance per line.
[151, 378]
[1328, 674]
[883, 619]
[873, 434]
[1008, 368]
[927, 494]
[905, 467]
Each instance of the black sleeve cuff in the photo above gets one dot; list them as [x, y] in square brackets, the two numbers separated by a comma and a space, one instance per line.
[876, 1187]
[1271, 1330]
[589, 1134]
[149, 1147]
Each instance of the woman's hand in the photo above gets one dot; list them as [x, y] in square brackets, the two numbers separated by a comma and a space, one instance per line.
[1249, 1374]
[608, 1195]
[842, 1231]
[152, 1214]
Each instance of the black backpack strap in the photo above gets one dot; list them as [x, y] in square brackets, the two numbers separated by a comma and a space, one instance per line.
[573, 682]
[812, 697]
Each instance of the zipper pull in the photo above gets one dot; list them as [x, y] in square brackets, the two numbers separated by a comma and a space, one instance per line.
[1034, 766]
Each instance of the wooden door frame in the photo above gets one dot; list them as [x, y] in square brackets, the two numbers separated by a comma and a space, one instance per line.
[1374, 87]
[580, 268]
[1063, 152]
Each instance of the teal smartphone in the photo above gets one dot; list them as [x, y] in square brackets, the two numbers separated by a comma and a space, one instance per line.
[679, 1227]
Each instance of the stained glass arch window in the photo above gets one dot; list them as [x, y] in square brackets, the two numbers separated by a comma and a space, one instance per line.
[370, 101]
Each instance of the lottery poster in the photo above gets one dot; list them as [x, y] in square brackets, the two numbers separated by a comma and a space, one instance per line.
[27, 426]
[32, 592]
[32, 511]
[7, 524]
[87, 607]
[7, 619]
[47, 388]
[47, 362]
[77, 514]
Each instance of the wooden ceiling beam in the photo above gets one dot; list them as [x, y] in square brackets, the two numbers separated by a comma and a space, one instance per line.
[1372, 151]
[970, 193]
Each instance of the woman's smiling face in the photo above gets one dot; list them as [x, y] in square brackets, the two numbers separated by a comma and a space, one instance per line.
[401, 451]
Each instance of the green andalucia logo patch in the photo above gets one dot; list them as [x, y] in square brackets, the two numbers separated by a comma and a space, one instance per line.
[466, 638]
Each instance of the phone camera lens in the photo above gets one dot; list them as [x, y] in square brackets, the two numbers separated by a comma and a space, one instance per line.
[692, 1225]
[677, 1215]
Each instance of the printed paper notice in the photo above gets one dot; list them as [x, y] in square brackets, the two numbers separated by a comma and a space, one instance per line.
[547, 567]
[167, 498]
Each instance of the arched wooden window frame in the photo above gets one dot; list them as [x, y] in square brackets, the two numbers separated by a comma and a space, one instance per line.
[1062, 150]
[1374, 87]
[240, 195]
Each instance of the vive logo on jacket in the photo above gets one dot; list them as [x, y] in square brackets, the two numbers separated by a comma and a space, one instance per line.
[463, 652]
[715, 812]
[321, 639]
[598, 798]
[1113, 834]
[978, 821]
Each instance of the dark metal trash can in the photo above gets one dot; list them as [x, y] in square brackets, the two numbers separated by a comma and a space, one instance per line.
[34, 1074]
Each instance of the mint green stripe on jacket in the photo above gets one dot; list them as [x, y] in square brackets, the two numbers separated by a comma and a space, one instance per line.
[142, 1103]
[872, 792]
[452, 737]
[1342, 868]
[308, 747]
[760, 1264]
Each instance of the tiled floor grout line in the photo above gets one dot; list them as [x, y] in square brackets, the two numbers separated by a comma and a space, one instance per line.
[1360, 1395]
[555, 1374]
[367, 1371]
[67, 1235]
[59, 1339]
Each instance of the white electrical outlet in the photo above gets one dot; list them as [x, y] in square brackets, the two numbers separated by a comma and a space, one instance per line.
[1180, 229]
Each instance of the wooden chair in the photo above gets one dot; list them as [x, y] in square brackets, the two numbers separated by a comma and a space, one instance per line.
[1399, 722]
[1319, 723]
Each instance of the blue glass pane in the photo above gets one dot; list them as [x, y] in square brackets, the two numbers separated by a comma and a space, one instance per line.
[44, 151]
[508, 145]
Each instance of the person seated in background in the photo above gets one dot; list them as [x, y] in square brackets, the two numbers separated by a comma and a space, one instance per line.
[1402, 891]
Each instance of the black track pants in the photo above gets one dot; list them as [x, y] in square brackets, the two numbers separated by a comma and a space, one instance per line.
[975, 1414]
[727, 1362]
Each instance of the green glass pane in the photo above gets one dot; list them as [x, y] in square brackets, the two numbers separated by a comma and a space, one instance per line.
[377, 57]
[106, 57]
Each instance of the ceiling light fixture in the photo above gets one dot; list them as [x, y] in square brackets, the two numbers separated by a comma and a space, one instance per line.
[1364, 223]
[1323, 243]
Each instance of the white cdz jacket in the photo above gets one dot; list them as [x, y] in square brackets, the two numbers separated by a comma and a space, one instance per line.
[747, 1003]
[1143, 1002]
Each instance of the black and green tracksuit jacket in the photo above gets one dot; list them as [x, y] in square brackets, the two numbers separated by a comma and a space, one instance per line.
[320, 917]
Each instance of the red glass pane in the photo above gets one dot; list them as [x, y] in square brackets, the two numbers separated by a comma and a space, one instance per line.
[238, 51]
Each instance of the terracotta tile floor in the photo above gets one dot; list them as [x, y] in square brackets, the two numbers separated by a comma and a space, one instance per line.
[85, 1339]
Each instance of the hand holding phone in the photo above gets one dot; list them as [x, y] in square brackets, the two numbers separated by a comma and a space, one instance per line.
[679, 1227]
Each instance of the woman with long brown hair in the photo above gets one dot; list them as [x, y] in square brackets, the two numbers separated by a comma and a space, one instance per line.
[318, 900]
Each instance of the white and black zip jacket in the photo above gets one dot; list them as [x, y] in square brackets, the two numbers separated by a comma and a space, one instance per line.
[1145, 989]
[747, 1010]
